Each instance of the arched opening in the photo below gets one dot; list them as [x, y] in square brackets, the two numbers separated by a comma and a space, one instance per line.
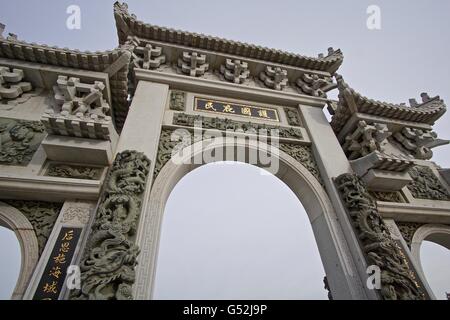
[435, 260]
[23, 231]
[10, 257]
[307, 188]
[430, 248]
[233, 231]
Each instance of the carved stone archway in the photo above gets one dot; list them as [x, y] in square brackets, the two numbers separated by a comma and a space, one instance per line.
[436, 233]
[303, 183]
[14, 220]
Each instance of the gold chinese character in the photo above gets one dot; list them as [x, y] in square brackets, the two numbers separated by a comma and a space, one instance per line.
[68, 236]
[50, 288]
[55, 272]
[246, 111]
[263, 113]
[60, 258]
[228, 108]
[209, 106]
[64, 247]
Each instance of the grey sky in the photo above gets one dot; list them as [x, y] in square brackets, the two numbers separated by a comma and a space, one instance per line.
[407, 56]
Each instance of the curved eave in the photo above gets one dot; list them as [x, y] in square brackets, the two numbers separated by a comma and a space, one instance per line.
[114, 62]
[351, 102]
[128, 25]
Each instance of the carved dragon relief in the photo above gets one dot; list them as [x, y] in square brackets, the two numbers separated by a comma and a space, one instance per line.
[398, 281]
[107, 266]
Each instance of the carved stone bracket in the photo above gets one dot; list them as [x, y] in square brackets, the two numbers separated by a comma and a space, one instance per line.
[13, 90]
[146, 57]
[79, 110]
[274, 77]
[315, 85]
[107, 266]
[418, 142]
[193, 64]
[426, 185]
[365, 139]
[177, 100]
[235, 70]
[11, 84]
[19, 140]
[398, 281]
[42, 216]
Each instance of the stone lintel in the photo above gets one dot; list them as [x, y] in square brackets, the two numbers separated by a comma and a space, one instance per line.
[229, 90]
[382, 180]
[78, 150]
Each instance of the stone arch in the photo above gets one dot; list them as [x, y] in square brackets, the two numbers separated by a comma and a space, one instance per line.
[436, 233]
[16, 221]
[328, 235]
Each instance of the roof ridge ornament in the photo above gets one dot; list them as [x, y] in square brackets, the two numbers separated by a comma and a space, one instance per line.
[128, 24]
[351, 102]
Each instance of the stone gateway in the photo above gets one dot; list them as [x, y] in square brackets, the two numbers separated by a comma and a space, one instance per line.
[92, 144]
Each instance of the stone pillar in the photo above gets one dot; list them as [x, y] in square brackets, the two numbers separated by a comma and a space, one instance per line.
[73, 218]
[332, 162]
[111, 255]
[143, 124]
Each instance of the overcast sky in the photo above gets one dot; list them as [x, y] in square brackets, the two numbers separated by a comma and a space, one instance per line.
[226, 242]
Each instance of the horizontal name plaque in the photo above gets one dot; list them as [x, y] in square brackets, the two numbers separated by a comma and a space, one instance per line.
[231, 108]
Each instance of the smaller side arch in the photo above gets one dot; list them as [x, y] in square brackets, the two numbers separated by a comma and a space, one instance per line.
[436, 233]
[16, 221]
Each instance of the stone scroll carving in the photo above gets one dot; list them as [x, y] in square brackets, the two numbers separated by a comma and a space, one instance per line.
[391, 196]
[293, 117]
[229, 125]
[70, 171]
[42, 216]
[79, 110]
[407, 230]
[193, 64]
[304, 155]
[177, 100]
[398, 281]
[19, 140]
[107, 266]
[235, 71]
[426, 185]
[274, 77]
